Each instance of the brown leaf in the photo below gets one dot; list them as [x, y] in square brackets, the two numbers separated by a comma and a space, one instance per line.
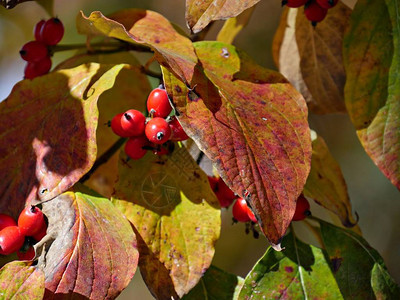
[200, 13]
[48, 133]
[93, 252]
[253, 125]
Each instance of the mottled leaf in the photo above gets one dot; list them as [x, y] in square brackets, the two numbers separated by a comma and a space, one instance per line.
[145, 27]
[216, 284]
[48, 133]
[93, 252]
[325, 183]
[233, 26]
[130, 90]
[200, 13]
[372, 94]
[20, 280]
[176, 215]
[358, 268]
[300, 271]
[253, 125]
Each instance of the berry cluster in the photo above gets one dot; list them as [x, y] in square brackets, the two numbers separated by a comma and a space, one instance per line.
[36, 53]
[314, 10]
[149, 133]
[20, 237]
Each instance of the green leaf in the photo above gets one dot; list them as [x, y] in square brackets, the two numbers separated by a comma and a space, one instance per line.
[20, 280]
[253, 125]
[358, 268]
[129, 91]
[325, 183]
[372, 94]
[93, 252]
[200, 13]
[48, 133]
[300, 271]
[176, 215]
[146, 27]
[216, 284]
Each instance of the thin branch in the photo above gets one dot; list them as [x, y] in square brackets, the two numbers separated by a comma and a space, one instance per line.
[120, 46]
[200, 158]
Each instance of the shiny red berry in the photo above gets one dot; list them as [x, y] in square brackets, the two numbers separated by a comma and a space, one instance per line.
[116, 126]
[224, 194]
[251, 216]
[178, 134]
[302, 209]
[158, 131]
[213, 182]
[31, 220]
[294, 3]
[40, 234]
[37, 30]
[33, 51]
[240, 210]
[158, 103]
[39, 68]
[327, 3]
[28, 254]
[134, 147]
[6, 220]
[11, 240]
[133, 122]
[314, 12]
[52, 31]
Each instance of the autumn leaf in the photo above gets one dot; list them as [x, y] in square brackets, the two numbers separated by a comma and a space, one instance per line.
[48, 133]
[176, 217]
[200, 13]
[93, 251]
[146, 27]
[21, 280]
[253, 125]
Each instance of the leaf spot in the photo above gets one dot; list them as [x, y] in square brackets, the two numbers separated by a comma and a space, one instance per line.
[336, 263]
[225, 53]
[289, 269]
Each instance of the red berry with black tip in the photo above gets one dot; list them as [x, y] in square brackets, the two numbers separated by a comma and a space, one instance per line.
[158, 131]
[133, 122]
[33, 51]
[52, 31]
[31, 220]
[6, 220]
[327, 3]
[11, 240]
[116, 126]
[314, 12]
[135, 147]
[39, 68]
[178, 134]
[240, 210]
[158, 103]
[302, 209]
[294, 3]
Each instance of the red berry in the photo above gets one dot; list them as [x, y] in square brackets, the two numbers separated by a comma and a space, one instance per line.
[33, 51]
[133, 122]
[251, 216]
[224, 194]
[6, 220]
[161, 151]
[31, 220]
[29, 254]
[11, 239]
[302, 209]
[116, 126]
[37, 29]
[158, 131]
[134, 147]
[294, 3]
[240, 210]
[52, 31]
[213, 182]
[314, 12]
[327, 3]
[40, 234]
[178, 134]
[35, 69]
[158, 103]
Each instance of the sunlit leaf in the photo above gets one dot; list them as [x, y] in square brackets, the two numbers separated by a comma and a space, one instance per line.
[176, 215]
[300, 271]
[216, 284]
[129, 91]
[145, 27]
[325, 183]
[48, 133]
[200, 13]
[253, 125]
[94, 252]
[358, 268]
[372, 93]
[20, 280]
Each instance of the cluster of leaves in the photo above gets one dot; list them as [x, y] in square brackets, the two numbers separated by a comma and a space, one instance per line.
[250, 121]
